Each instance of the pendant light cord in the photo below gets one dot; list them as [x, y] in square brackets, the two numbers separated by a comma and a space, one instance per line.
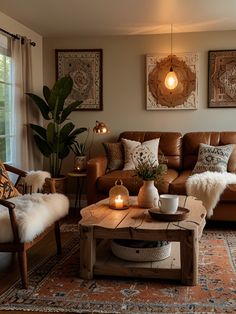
[171, 43]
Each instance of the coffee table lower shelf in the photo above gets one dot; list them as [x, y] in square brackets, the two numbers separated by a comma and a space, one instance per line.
[110, 265]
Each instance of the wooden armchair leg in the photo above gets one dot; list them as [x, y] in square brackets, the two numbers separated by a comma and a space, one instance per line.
[58, 237]
[22, 258]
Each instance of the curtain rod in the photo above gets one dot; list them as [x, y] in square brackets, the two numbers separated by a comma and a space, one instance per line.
[15, 36]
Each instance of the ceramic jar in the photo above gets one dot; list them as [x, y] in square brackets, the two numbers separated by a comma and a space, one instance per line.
[80, 163]
[148, 195]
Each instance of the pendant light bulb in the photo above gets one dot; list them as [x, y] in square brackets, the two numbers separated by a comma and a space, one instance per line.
[171, 80]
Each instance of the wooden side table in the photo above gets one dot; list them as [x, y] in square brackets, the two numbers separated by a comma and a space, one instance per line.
[80, 178]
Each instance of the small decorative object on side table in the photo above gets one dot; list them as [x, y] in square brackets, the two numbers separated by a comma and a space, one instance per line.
[80, 176]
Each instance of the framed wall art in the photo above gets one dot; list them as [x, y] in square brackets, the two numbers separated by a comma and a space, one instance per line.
[222, 79]
[85, 68]
[185, 94]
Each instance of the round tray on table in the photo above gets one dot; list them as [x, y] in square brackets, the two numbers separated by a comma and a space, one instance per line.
[181, 214]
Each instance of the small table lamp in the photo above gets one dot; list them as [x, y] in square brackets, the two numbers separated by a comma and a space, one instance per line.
[99, 128]
[119, 196]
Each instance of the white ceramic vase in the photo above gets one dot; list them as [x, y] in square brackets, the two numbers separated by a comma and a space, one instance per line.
[148, 195]
[80, 163]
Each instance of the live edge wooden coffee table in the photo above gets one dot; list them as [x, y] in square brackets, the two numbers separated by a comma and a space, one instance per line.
[100, 222]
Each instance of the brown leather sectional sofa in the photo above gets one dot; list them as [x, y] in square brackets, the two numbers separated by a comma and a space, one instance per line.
[181, 152]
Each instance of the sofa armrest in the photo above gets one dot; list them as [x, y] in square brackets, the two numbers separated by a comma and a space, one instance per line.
[96, 167]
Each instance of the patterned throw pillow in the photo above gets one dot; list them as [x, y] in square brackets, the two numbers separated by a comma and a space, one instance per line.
[213, 158]
[115, 156]
[232, 159]
[7, 188]
[133, 149]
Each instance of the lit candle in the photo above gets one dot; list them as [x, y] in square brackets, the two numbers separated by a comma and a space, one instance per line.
[119, 202]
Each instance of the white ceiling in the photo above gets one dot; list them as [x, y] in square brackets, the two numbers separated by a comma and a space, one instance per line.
[60, 18]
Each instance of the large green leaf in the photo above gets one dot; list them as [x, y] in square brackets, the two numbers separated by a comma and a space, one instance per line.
[41, 104]
[78, 131]
[51, 134]
[67, 111]
[56, 110]
[64, 152]
[39, 129]
[65, 131]
[46, 92]
[42, 146]
[60, 91]
[64, 86]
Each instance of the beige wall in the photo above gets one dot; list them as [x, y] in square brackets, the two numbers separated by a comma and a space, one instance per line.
[124, 82]
[14, 27]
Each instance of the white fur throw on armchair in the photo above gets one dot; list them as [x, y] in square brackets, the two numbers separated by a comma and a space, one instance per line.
[208, 187]
[36, 179]
[34, 213]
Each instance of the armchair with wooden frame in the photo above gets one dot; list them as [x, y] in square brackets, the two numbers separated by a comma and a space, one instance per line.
[16, 245]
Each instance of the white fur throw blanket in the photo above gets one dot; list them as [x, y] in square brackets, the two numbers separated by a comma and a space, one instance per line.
[208, 187]
[34, 213]
[36, 179]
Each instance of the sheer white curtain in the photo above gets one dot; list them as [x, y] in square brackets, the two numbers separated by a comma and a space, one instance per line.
[26, 154]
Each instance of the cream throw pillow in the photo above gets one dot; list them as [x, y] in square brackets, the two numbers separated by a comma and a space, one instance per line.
[133, 149]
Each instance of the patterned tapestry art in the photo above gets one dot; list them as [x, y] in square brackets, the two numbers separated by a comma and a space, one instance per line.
[85, 68]
[185, 95]
[222, 79]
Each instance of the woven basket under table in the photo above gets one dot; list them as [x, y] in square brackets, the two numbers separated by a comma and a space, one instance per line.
[141, 251]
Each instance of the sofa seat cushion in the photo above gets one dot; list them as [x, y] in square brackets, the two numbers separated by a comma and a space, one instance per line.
[34, 213]
[163, 185]
[229, 194]
[178, 185]
[132, 182]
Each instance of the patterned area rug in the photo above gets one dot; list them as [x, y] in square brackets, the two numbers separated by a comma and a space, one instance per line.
[55, 285]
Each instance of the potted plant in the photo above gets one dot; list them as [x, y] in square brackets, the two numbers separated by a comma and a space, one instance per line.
[79, 150]
[150, 171]
[55, 140]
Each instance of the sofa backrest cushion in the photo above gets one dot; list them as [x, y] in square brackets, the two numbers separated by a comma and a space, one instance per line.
[192, 140]
[213, 158]
[115, 156]
[134, 150]
[170, 144]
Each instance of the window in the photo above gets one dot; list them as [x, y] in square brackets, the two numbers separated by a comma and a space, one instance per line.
[6, 105]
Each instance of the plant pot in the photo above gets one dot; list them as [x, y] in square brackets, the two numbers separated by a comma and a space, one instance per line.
[80, 163]
[55, 185]
[148, 195]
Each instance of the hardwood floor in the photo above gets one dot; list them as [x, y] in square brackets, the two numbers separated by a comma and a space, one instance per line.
[9, 269]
